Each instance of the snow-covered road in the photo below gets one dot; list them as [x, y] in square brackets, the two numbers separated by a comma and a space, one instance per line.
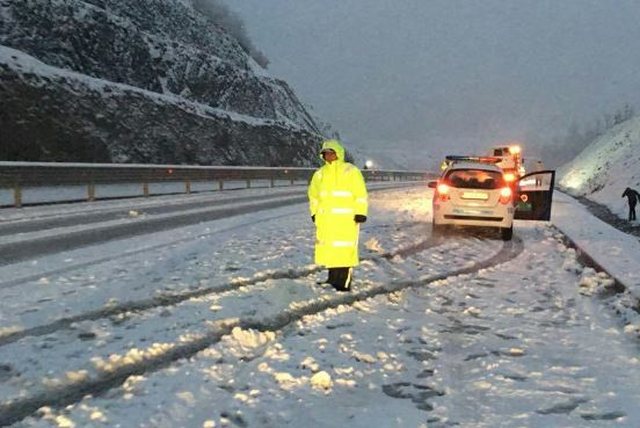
[222, 323]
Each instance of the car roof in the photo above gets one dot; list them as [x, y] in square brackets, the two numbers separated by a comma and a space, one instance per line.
[475, 165]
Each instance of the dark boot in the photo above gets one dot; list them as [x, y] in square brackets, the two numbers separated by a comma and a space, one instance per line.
[331, 278]
[343, 278]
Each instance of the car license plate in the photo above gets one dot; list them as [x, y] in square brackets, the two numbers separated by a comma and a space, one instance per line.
[471, 211]
[475, 195]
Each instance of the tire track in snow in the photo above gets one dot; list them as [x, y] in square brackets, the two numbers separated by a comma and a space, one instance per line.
[176, 298]
[12, 252]
[23, 249]
[128, 253]
[119, 213]
[19, 408]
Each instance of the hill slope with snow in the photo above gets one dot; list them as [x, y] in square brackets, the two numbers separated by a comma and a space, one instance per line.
[606, 167]
[56, 53]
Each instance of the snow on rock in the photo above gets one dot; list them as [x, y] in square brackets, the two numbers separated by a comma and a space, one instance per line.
[148, 81]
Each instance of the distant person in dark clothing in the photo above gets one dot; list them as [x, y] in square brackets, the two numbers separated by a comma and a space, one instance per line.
[632, 197]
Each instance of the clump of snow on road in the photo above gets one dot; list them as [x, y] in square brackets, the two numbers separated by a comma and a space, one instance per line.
[374, 245]
[593, 282]
[133, 356]
[8, 330]
[245, 343]
[322, 381]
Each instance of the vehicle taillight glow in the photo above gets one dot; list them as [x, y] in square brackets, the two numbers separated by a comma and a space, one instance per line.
[443, 192]
[509, 177]
[505, 195]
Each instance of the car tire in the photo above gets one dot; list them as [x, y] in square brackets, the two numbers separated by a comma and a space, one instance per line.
[506, 233]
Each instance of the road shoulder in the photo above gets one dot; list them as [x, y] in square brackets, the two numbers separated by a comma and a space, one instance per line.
[616, 252]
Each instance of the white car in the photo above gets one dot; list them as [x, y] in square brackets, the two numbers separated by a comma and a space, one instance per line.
[477, 194]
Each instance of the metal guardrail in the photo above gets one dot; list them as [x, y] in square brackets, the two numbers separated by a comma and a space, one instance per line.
[21, 175]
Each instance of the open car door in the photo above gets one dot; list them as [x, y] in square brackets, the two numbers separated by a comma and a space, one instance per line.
[534, 195]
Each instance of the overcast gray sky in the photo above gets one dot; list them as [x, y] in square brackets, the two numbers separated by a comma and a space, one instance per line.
[427, 71]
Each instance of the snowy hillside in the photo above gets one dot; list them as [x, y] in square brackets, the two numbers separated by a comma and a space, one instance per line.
[606, 167]
[154, 48]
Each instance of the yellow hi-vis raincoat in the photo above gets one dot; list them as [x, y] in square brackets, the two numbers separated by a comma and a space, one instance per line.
[337, 193]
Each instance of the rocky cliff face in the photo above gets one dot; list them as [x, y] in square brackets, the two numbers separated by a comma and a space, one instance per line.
[143, 81]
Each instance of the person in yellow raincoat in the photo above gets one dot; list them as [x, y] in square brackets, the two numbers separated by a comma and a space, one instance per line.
[338, 204]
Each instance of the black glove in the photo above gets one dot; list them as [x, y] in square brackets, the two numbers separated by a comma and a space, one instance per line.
[313, 218]
[359, 218]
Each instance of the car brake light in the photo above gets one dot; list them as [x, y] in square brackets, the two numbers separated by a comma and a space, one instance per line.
[505, 195]
[509, 177]
[442, 192]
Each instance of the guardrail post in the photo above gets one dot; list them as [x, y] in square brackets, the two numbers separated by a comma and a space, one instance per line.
[17, 196]
[91, 192]
[187, 187]
[248, 184]
[145, 189]
[292, 181]
[273, 182]
[221, 185]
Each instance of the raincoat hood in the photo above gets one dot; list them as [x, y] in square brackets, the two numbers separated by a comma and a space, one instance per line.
[335, 146]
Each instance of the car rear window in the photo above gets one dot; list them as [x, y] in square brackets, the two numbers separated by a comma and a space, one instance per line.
[475, 179]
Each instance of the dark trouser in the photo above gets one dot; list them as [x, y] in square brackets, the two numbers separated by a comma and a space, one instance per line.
[340, 278]
[632, 212]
